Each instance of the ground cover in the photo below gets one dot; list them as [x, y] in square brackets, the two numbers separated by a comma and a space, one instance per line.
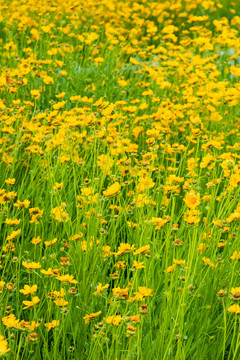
[119, 179]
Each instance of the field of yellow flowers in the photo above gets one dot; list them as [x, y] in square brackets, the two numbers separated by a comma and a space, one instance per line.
[119, 179]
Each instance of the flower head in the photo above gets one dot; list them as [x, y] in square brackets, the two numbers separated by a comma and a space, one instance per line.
[112, 189]
[90, 317]
[28, 290]
[31, 303]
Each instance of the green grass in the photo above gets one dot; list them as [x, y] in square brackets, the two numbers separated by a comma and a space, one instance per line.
[169, 135]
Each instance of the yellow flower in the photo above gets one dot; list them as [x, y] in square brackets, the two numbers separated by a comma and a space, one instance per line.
[60, 302]
[120, 264]
[19, 204]
[59, 105]
[221, 244]
[29, 304]
[51, 325]
[115, 320]
[179, 262]
[207, 197]
[100, 288]
[124, 248]
[22, 325]
[58, 294]
[36, 240]
[60, 214]
[109, 319]
[138, 265]
[202, 247]
[234, 179]
[144, 291]
[234, 309]
[134, 318]
[3, 346]
[51, 242]
[88, 318]
[2, 283]
[112, 189]
[218, 223]
[105, 163]
[35, 93]
[50, 272]
[145, 183]
[10, 321]
[33, 337]
[130, 329]
[206, 160]
[61, 95]
[143, 250]
[58, 186]
[31, 265]
[222, 292]
[75, 98]
[48, 80]
[67, 278]
[121, 293]
[208, 262]
[13, 235]
[134, 61]
[35, 214]
[76, 236]
[192, 200]
[28, 290]
[159, 222]
[10, 181]
[114, 276]
[235, 255]
[235, 293]
[192, 216]
[12, 222]
[170, 269]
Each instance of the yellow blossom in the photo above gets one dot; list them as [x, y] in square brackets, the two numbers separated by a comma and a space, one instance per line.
[31, 303]
[28, 290]
[112, 190]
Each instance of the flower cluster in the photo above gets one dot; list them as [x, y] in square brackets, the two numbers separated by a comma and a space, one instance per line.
[119, 179]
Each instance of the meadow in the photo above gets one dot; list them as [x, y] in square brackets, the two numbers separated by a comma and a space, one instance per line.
[119, 180]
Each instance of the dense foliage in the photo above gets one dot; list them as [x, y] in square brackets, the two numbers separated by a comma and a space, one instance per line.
[119, 179]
